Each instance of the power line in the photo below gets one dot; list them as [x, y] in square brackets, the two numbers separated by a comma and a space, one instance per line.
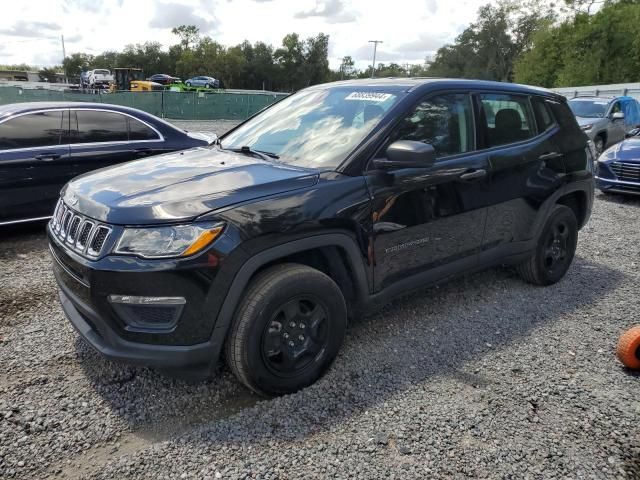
[375, 47]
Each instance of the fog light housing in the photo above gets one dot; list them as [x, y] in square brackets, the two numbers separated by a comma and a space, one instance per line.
[141, 313]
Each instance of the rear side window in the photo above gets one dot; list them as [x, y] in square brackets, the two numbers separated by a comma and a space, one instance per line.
[43, 129]
[543, 115]
[140, 131]
[565, 117]
[96, 126]
[505, 118]
[444, 121]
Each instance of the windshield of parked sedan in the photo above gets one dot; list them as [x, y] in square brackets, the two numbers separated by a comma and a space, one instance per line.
[315, 128]
[588, 108]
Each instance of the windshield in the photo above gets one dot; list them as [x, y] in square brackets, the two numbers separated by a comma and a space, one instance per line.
[588, 108]
[315, 128]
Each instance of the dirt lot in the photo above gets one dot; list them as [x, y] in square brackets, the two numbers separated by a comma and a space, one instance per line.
[484, 377]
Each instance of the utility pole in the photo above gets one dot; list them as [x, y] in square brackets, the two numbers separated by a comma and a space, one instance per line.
[64, 55]
[375, 47]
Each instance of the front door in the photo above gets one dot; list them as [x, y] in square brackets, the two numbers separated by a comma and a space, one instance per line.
[34, 156]
[430, 218]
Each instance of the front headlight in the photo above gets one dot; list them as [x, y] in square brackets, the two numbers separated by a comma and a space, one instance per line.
[166, 242]
[586, 128]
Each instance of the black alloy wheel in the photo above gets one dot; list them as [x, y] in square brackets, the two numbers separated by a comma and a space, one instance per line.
[296, 335]
[287, 330]
[555, 248]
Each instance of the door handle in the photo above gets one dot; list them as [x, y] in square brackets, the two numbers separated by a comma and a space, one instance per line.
[549, 156]
[475, 174]
[47, 157]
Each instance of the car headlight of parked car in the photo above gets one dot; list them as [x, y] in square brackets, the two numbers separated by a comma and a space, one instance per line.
[587, 127]
[167, 242]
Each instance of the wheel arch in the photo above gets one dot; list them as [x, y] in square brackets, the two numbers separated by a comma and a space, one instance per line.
[336, 254]
[576, 201]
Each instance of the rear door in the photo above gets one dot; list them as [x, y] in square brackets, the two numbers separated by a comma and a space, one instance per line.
[519, 134]
[34, 155]
[429, 219]
[102, 138]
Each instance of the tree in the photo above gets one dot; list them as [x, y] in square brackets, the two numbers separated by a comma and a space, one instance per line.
[489, 47]
[76, 63]
[347, 67]
[586, 49]
[49, 74]
[189, 34]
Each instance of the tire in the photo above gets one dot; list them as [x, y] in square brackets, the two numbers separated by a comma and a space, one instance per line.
[287, 329]
[555, 249]
[629, 348]
[188, 84]
[599, 144]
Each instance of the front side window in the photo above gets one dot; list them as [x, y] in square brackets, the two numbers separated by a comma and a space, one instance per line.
[615, 108]
[97, 126]
[315, 128]
[42, 129]
[506, 118]
[444, 121]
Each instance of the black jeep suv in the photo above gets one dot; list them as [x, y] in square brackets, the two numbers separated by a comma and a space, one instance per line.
[315, 210]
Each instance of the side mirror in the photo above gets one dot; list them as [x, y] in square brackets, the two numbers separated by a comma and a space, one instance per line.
[407, 154]
[617, 116]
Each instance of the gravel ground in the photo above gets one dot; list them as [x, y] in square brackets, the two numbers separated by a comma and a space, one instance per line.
[484, 377]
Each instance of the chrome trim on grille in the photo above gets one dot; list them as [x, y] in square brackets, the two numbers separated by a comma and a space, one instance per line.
[626, 170]
[70, 228]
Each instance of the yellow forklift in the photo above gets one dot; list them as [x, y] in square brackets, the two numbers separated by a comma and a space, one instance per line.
[123, 77]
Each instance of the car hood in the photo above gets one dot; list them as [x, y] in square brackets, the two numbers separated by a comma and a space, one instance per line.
[628, 151]
[180, 186]
[582, 121]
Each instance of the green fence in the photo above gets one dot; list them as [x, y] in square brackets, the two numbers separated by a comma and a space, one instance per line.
[175, 105]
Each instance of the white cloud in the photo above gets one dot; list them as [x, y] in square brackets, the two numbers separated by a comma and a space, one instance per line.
[333, 11]
[410, 29]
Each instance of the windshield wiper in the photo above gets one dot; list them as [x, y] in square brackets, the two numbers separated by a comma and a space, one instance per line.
[247, 150]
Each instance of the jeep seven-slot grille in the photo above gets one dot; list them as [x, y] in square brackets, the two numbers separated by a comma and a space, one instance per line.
[78, 232]
[626, 171]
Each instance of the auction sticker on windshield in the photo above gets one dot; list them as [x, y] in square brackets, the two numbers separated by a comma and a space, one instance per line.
[371, 96]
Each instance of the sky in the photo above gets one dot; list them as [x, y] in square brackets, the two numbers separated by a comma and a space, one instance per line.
[410, 30]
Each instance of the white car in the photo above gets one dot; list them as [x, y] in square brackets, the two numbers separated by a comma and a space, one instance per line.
[99, 77]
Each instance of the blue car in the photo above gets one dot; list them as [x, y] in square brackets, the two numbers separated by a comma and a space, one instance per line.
[206, 82]
[618, 168]
[44, 145]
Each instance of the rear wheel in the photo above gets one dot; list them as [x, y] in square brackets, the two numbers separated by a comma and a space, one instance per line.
[188, 84]
[555, 249]
[287, 331]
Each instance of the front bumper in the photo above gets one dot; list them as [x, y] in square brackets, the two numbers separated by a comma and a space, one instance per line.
[113, 347]
[195, 341]
[617, 186]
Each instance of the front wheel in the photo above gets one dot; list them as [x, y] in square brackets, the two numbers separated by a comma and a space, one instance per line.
[555, 249]
[599, 144]
[287, 330]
